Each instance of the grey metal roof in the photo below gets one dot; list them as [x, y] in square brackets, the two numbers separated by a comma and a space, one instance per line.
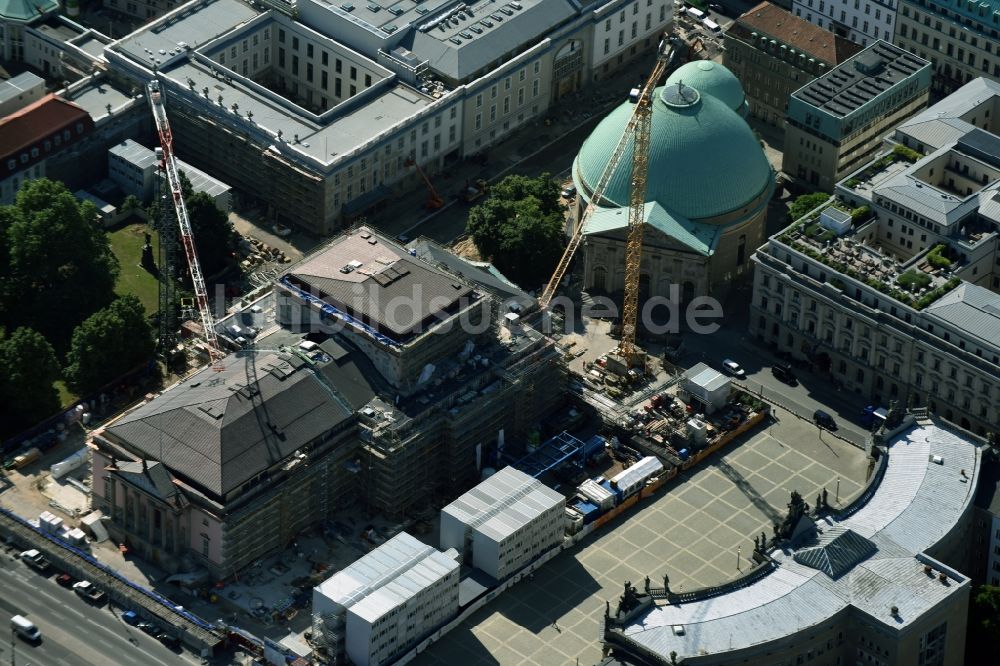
[388, 288]
[16, 85]
[837, 551]
[917, 503]
[151, 476]
[219, 429]
[95, 96]
[945, 121]
[478, 272]
[195, 26]
[387, 577]
[489, 29]
[971, 308]
[860, 79]
[134, 153]
[706, 377]
[503, 503]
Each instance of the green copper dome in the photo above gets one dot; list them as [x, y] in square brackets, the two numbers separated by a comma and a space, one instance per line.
[711, 78]
[704, 159]
[26, 11]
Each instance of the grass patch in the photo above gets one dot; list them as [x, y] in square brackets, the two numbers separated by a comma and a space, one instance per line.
[126, 243]
[66, 397]
[913, 280]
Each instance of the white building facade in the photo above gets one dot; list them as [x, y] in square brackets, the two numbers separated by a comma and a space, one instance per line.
[861, 21]
[384, 602]
[504, 523]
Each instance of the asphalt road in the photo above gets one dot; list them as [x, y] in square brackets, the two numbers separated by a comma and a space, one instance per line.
[73, 631]
[813, 391]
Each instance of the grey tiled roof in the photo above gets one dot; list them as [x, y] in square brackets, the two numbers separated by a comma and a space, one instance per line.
[219, 429]
[974, 309]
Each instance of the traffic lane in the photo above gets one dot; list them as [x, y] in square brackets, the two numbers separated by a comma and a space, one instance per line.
[73, 631]
[812, 391]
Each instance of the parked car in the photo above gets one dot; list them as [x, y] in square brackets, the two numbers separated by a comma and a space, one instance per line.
[65, 580]
[150, 628]
[734, 369]
[169, 640]
[281, 230]
[716, 7]
[824, 420]
[89, 591]
[569, 192]
[35, 560]
[130, 617]
[783, 372]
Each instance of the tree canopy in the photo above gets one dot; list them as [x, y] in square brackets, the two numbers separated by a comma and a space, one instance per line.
[56, 265]
[214, 235]
[108, 344]
[28, 368]
[805, 203]
[519, 227]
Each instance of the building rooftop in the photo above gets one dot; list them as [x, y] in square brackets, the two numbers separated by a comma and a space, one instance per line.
[16, 85]
[94, 97]
[134, 152]
[482, 273]
[463, 39]
[708, 378]
[973, 309]
[369, 276]
[868, 562]
[711, 78]
[216, 430]
[807, 38]
[860, 79]
[503, 503]
[701, 238]
[387, 577]
[34, 122]
[954, 116]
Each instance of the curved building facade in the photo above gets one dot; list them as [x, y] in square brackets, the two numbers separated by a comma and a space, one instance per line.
[707, 193]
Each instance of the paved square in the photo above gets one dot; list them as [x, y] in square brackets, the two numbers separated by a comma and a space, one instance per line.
[691, 531]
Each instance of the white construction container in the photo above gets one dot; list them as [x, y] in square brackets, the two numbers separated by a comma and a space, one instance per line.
[597, 494]
[67, 465]
[629, 481]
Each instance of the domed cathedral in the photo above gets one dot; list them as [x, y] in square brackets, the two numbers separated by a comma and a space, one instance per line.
[708, 188]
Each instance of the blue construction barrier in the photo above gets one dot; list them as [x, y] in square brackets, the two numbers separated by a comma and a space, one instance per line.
[337, 313]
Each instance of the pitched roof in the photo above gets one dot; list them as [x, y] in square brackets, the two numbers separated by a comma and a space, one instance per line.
[837, 551]
[974, 309]
[780, 25]
[219, 429]
[36, 121]
[701, 238]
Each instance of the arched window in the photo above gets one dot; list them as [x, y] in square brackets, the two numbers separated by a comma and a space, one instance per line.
[600, 278]
[741, 250]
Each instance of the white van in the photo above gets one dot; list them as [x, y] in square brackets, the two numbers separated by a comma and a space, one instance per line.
[696, 13]
[711, 26]
[25, 628]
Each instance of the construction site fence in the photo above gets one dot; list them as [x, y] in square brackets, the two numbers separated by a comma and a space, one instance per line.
[196, 631]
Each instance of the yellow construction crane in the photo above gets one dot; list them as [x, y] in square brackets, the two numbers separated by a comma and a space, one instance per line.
[668, 55]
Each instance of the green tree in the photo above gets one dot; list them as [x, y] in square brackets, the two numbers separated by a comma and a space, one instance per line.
[804, 204]
[108, 344]
[28, 368]
[57, 264]
[520, 228]
[214, 235]
[984, 620]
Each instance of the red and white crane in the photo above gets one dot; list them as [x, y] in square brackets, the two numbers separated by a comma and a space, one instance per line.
[168, 162]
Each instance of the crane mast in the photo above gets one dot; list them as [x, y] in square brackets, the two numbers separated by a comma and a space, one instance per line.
[638, 130]
[169, 165]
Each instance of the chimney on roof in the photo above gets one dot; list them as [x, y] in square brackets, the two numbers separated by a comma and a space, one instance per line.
[145, 466]
[894, 611]
[943, 577]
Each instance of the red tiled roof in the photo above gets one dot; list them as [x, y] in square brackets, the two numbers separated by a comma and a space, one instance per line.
[27, 126]
[782, 26]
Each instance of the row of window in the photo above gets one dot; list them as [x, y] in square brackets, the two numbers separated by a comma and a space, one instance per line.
[46, 146]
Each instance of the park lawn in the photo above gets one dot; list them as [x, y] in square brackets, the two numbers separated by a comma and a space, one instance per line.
[126, 243]
[66, 397]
